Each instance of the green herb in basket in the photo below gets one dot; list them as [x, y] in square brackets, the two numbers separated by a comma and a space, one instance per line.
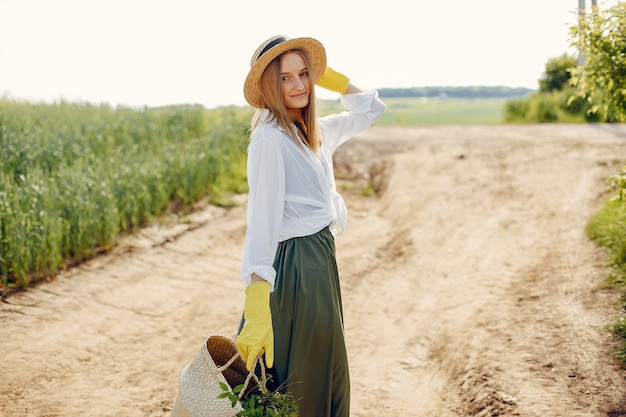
[261, 402]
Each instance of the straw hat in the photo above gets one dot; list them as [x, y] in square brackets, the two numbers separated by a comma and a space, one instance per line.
[272, 48]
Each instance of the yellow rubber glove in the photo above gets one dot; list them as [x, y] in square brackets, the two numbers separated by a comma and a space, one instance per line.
[333, 81]
[257, 335]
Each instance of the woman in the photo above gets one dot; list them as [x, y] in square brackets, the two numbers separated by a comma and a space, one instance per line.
[293, 311]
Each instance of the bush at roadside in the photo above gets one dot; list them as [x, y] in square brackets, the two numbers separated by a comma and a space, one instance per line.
[608, 229]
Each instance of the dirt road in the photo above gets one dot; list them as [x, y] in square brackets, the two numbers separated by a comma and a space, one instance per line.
[469, 288]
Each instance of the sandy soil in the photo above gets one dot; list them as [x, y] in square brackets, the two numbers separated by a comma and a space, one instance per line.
[469, 288]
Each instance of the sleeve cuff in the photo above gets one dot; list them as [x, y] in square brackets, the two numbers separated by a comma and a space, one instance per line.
[265, 272]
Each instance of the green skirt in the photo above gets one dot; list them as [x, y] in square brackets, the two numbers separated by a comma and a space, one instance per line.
[310, 359]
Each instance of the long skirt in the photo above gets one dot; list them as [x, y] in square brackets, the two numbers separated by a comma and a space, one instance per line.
[310, 359]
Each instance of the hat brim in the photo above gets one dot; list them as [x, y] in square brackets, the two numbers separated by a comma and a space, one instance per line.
[313, 48]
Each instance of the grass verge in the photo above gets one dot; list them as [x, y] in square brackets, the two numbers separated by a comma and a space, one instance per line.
[608, 229]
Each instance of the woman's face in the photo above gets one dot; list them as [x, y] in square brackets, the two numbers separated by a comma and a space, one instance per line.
[295, 83]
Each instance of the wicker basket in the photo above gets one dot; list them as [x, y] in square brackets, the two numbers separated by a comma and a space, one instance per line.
[217, 361]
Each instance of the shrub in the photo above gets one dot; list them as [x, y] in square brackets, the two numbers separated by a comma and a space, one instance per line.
[546, 108]
[601, 76]
[557, 74]
[516, 110]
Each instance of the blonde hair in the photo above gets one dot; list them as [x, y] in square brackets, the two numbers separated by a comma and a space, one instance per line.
[272, 100]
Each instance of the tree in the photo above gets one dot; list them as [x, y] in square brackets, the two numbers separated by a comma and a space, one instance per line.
[557, 74]
[601, 77]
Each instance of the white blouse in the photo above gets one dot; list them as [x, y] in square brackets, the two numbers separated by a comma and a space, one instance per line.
[292, 191]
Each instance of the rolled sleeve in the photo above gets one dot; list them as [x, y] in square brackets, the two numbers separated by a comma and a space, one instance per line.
[364, 109]
[266, 182]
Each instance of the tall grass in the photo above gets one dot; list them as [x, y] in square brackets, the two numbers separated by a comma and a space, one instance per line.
[74, 177]
[608, 228]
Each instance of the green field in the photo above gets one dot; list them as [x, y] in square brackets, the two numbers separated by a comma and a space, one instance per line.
[74, 177]
[430, 112]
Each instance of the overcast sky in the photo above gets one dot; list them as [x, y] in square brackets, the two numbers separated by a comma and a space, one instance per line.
[160, 52]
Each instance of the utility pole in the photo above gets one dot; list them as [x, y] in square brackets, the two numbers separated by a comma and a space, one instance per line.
[581, 13]
[581, 4]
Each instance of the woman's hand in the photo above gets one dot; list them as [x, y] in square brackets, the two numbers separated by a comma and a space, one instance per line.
[333, 80]
[336, 81]
[257, 335]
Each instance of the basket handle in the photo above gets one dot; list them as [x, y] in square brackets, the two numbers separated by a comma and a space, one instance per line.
[262, 384]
